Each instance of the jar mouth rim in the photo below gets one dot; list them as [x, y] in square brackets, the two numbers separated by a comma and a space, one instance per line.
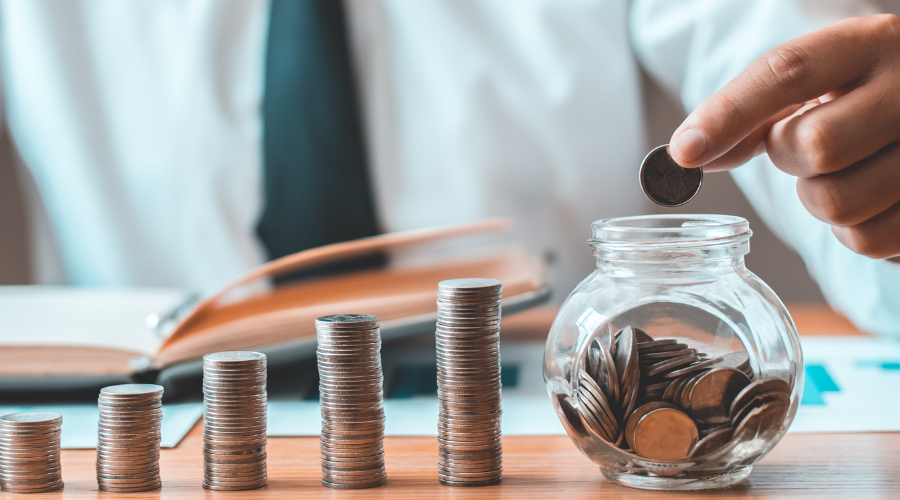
[670, 230]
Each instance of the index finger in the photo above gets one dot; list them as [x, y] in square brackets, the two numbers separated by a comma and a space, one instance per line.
[792, 73]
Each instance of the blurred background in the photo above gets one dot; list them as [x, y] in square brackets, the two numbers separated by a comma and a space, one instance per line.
[769, 258]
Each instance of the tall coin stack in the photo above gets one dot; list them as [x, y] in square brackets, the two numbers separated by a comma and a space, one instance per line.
[468, 362]
[352, 401]
[129, 434]
[29, 452]
[234, 420]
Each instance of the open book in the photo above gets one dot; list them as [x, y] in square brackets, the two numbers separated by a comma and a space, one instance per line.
[65, 336]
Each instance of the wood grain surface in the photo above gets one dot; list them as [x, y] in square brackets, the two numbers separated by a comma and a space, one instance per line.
[802, 465]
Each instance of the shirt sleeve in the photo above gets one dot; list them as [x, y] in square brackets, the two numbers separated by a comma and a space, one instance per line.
[693, 48]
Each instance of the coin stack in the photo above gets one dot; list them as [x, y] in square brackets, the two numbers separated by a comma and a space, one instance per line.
[468, 377]
[663, 400]
[128, 445]
[29, 452]
[234, 420]
[351, 400]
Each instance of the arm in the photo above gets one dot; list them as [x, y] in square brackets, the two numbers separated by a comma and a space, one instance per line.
[696, 48]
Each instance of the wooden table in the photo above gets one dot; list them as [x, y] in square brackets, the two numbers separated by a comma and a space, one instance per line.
[802, 465]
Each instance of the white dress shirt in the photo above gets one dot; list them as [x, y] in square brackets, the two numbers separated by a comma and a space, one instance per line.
[140, 123]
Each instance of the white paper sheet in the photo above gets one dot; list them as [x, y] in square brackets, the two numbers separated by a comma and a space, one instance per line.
[79, 429]
[111, 318]
[864, 378]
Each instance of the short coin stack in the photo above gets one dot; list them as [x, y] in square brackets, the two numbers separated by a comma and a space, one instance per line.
[234, 420]
[468, 362]
[665, 401]
[29, 452]
[352, 401]
[129, 434]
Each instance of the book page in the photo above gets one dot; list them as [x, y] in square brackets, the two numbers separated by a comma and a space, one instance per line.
[109, 318]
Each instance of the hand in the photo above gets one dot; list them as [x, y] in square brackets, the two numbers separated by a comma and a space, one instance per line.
[826, 108]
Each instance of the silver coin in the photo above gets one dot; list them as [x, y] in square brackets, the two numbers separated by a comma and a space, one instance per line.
[31, 419]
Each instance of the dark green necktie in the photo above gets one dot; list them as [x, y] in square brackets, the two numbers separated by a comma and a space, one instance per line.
[317, 188]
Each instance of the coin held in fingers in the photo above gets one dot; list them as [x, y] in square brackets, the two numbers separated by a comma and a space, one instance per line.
[667, 183]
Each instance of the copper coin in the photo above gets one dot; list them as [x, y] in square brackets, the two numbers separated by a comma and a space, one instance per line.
[756, 388]
[636, 415]
[665, 434]
[711, 442]
[711, 396]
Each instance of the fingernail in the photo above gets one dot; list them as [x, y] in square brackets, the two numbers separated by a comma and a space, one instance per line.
[690, 144]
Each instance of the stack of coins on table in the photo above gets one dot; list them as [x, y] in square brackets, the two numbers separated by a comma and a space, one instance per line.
[29, 452]
[352, 401]
[234, 420]
[663, 400]
[468, 362]
[129, 435]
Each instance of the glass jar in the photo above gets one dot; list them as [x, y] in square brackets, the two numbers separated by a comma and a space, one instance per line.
[671, 365]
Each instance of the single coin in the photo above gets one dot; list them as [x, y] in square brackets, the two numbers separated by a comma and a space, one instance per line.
[625, 357]
[641, 336]
[749, 427]
[773, 415]
[651, 357]
[35, 488]
[630, 397]
[134, 390]
[756, 388]
[696, 367]
[669, 394]
[358, 321]
[711, 442]
[636, 415]
[667, 183]
[643, 346]
[471, 285]
[766, 419]
[737, 359]
[665, 348]
[683, 394]
[234, 358]
[658, 387]
[665, 434]
[670, 364]
[742, 412]
[711, 396]
[776, 385]
[31, 419]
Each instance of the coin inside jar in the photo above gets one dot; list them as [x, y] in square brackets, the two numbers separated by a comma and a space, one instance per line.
[665, 434]
[667, 183]
[712, 394]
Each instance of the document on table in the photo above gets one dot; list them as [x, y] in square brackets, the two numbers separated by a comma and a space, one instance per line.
[79, 429]
[522, 416]
[852, 384]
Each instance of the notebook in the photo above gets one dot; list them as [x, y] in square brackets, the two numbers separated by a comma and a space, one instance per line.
[67, 337]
